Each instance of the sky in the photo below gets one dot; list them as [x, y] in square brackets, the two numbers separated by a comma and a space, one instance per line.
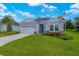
[21, 11]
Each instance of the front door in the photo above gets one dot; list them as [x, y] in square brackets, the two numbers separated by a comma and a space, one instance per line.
[41, 28]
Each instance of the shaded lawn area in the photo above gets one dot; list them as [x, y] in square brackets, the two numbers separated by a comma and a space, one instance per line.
[42, 45]
[7, 33]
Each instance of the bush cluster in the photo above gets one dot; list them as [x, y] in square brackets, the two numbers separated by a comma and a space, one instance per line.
[60, 35]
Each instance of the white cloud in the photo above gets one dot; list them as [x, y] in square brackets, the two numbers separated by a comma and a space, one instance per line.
[47, 15]
[27, 14]
[21, 12]
[16, 18]
[13, 15]
[76, 6]
[74, 11]
[2, 8]
[9, 13]
[48, 7]
[52, 7]
[66, 11]
[34, 4]
[45, 5]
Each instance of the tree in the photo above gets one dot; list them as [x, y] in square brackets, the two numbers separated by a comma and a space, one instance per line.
[69, 24]
[76, 20]
[7, 19]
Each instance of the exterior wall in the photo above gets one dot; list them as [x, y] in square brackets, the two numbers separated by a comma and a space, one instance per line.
[61, 27]
[55, 22]
[42, 22]
[48, 27]
[46, 23]
[16, 28]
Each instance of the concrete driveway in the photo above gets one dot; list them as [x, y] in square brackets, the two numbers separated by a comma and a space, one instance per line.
[7, 39]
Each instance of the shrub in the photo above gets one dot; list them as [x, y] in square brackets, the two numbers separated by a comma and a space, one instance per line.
[54, 33]
[0, 31]
[48, 33]
[71, 30]
[66, 37]
[60, 35]
[35, 32]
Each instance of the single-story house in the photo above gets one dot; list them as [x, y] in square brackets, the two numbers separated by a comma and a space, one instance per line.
[41, 25]
[15, 27]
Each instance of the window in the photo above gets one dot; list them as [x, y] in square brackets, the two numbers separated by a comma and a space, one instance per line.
[56, 28]
[51, 27]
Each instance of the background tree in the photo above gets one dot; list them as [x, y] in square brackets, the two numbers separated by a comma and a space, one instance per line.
[76, 20]
[7, 19]
[69, 24]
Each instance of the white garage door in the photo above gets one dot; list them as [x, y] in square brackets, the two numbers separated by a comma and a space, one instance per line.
[28, 29]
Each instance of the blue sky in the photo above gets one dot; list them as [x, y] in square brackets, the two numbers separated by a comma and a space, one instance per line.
[21, 11]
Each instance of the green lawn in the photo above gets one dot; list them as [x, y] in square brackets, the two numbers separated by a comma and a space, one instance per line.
[7, 33]
[43, 45]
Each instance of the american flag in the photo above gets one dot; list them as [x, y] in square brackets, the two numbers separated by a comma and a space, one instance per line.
[64, 13]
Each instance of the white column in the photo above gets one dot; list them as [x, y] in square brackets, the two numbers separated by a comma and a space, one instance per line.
[21, 29]
[46, 27]
[37, 28]
[54, 27]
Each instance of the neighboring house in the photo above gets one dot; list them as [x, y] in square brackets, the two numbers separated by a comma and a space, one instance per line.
[15, 27]
[77, 25]
[3, 27]
[41, 25]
